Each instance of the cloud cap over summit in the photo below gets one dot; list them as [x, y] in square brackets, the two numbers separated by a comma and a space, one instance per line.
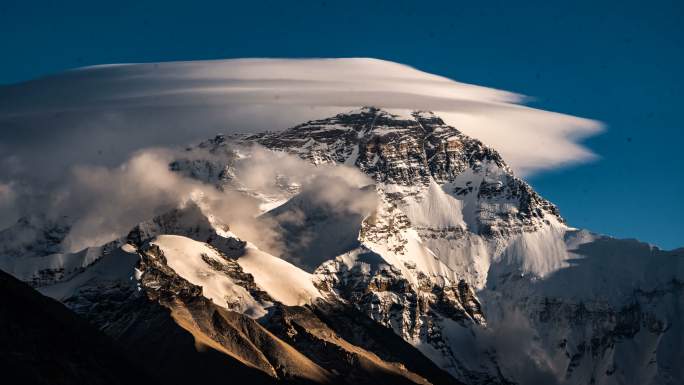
[101, 114]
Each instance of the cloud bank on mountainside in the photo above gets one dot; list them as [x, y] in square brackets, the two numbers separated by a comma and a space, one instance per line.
[103, 203]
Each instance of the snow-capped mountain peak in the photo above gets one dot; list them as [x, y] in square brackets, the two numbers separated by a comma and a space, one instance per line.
[383, 246]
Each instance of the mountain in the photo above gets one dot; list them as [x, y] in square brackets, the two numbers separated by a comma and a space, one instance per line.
[399, 250]
[176, 293]
[45, 343]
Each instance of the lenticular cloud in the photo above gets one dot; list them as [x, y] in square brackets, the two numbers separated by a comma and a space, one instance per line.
[101, 114]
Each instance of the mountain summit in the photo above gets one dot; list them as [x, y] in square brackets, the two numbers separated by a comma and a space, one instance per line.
[387, 247]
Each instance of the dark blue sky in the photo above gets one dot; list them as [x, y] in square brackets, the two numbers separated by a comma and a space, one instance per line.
[619, 62]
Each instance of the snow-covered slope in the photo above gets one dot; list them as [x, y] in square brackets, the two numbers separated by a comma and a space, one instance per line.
[195, 262]
[283, 281]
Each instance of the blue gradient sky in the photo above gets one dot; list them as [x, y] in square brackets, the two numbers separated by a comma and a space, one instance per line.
[619, 62]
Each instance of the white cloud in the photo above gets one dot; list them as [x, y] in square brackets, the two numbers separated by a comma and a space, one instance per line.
[101, 114]
[529, 140]
[104, 203]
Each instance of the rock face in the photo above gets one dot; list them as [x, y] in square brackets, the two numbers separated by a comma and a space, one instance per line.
[457, 272]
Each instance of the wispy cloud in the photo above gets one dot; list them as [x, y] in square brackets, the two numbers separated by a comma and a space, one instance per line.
[104, 203]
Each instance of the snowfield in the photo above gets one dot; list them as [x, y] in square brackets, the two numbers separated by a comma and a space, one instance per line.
[282, 280]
